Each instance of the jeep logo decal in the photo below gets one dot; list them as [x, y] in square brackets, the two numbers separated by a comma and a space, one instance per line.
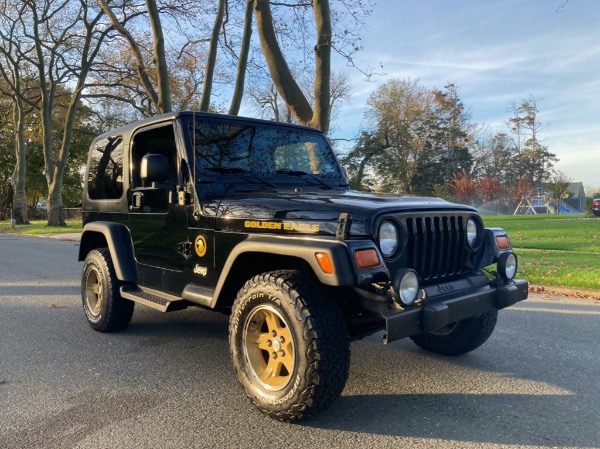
[202, 271]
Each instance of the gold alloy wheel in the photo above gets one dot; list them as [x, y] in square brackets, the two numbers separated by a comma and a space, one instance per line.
[269, 347]
[93, 292]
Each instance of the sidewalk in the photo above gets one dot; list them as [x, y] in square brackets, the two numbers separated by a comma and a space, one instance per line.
[67, 236]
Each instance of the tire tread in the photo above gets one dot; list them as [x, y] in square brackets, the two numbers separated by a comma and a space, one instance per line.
[468, 335]
[326, 336]
[118, 310]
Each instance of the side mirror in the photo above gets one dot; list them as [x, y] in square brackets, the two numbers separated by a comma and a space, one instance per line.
[154, 169]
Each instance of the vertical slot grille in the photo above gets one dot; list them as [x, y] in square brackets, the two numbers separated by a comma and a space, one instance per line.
[435, 246]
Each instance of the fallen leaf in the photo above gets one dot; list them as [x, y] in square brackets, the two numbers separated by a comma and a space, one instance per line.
[52, 306]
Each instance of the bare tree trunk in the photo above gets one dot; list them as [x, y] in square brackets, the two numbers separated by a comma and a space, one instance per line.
[280, 72]
[18, 176]
[240, 77]
[160, 61]
[55, 164]
[55, 204]
[47, 91]
[6, 200]
[11, 69]
[212, 57]
[140, 66]
[322, 52]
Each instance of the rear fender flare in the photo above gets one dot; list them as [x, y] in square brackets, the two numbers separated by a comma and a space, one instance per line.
[118, 241]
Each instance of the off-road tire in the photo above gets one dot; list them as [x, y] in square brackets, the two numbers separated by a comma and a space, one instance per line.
[288, 304]
[104, 308]
[460, 337]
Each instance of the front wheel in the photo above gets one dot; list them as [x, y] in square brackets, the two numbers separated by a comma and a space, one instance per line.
[289, 345]
[103, 305]
[460, 337]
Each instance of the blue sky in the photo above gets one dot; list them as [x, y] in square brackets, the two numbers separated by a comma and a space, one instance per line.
[497, 52]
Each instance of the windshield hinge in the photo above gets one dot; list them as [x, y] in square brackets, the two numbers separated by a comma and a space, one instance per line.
[344, 223]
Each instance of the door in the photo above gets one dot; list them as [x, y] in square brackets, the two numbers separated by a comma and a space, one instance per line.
[158, 224]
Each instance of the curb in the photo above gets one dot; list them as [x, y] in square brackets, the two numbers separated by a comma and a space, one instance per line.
[66, 236]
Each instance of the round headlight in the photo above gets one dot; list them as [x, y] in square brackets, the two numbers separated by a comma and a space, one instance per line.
[388, 238]
[406, 283]
[472, 230]
[507, 265]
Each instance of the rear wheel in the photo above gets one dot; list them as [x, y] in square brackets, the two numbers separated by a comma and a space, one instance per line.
[289, 345]
[103, 305]
[460, 337]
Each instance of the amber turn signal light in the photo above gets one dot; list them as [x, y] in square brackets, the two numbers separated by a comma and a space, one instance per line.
[502, 242]
[324, 262]
[366, 258]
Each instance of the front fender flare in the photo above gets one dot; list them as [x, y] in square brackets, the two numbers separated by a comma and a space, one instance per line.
[305, 249]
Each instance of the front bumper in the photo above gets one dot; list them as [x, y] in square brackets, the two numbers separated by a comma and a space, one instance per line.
[452, 308]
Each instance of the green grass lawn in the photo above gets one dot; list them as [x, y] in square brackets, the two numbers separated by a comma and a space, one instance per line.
[561, 250]
[38, 227]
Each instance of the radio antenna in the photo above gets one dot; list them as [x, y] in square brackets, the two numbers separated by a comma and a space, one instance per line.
[194, 187]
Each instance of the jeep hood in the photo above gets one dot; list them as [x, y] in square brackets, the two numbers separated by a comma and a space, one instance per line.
[305, 212]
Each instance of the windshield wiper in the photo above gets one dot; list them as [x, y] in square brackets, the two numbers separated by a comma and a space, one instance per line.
[300, 174]
[241, 171]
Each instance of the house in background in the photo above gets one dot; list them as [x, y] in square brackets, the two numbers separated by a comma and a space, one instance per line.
[540, 203]
[576, 199]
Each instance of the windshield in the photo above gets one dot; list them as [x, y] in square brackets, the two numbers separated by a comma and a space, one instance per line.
[263, 151]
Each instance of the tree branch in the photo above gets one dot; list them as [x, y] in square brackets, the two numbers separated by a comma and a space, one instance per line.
[242, 66]
[140, 66]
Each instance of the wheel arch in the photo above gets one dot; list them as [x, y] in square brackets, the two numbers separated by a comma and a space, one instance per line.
[261, 254]
[249, 264]
[115, 237]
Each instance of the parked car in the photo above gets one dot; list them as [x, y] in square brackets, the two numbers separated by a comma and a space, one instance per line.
[596, 207]
[255, 219]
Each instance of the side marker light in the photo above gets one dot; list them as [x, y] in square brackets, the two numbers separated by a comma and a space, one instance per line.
[324, 262]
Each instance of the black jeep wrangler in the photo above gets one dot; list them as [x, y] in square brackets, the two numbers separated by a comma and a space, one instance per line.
[255, 219]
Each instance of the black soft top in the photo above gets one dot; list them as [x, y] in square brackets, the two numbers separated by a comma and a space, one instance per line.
[130, 127]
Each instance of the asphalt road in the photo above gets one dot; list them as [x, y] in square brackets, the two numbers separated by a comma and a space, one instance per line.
[167, 380]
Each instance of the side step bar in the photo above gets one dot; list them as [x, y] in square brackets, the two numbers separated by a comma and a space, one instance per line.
[149, 297]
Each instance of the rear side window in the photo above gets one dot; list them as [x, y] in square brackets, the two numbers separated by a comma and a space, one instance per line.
[105, 172]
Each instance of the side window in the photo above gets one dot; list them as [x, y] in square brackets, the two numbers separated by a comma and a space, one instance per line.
[156, 140]
[105, 173]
